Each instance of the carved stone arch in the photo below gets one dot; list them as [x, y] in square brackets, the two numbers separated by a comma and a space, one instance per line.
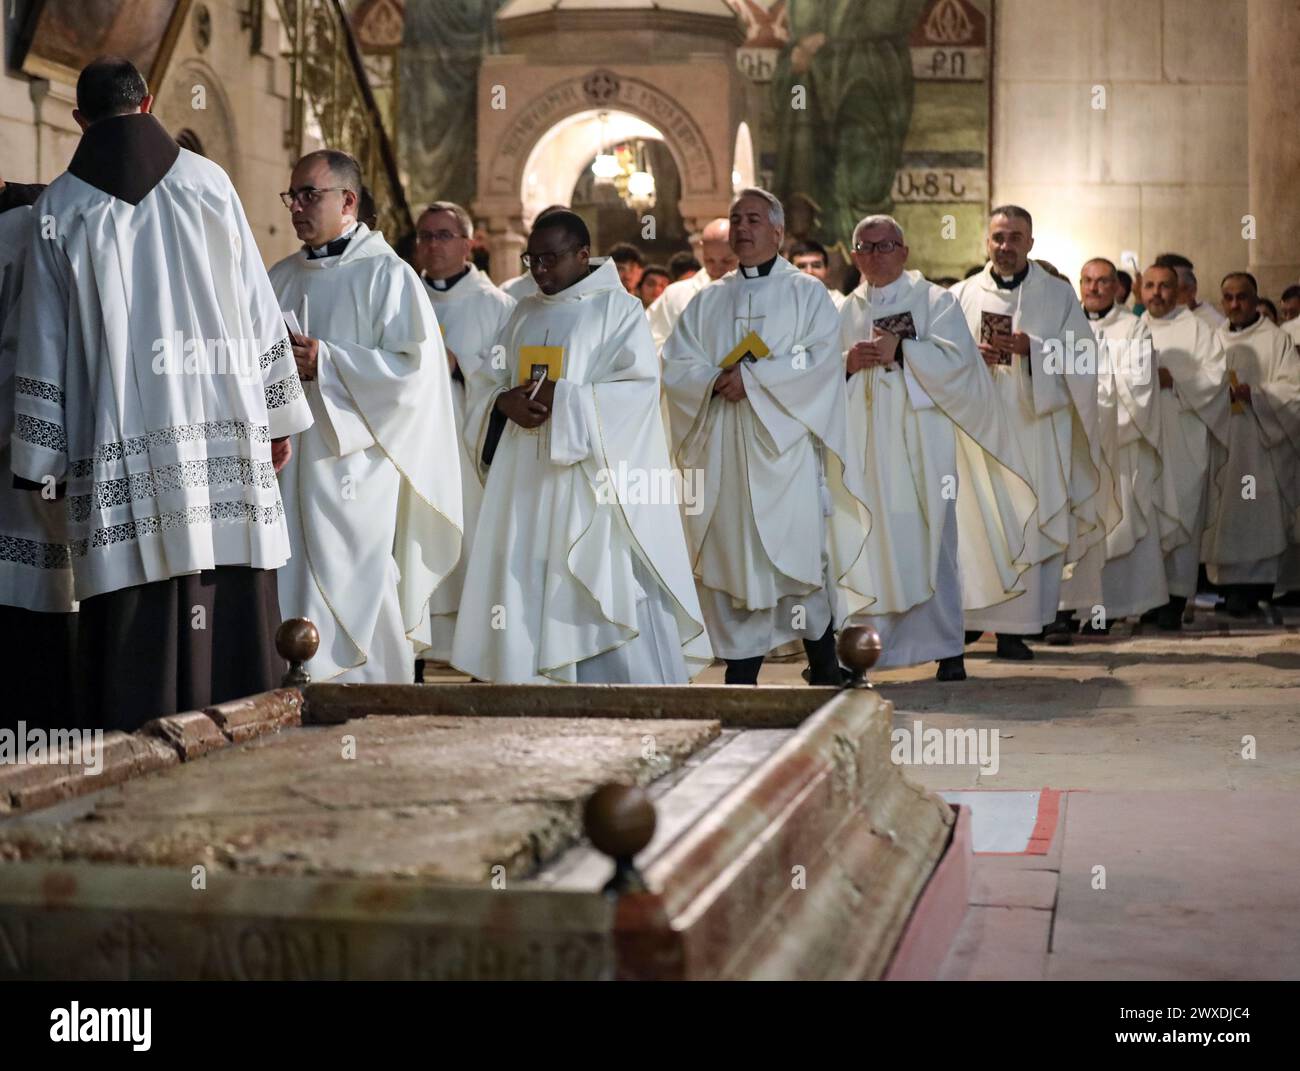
[213, 124]
[602, 90]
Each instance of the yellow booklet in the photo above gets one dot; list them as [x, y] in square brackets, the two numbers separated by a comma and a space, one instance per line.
[750, 346]
[1237, 407]
[536, 360]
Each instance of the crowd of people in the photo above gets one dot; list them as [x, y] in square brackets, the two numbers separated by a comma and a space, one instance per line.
[602, 471]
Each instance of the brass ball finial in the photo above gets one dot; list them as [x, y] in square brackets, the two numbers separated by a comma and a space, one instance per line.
[297, 641]
[859, 647]
[620, 821]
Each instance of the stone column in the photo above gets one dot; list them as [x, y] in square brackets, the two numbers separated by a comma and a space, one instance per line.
[505, 240]
[1273, 106]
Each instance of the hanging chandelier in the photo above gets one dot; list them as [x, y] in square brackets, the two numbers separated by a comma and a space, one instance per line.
[625, 167]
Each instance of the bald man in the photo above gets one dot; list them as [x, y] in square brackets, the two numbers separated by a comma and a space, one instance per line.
[717, 257]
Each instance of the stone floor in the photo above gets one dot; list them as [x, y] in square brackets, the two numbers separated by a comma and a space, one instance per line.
[1149, 737]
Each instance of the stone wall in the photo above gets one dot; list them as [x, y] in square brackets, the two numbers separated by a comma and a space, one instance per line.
[1163, 166]
[234, 100]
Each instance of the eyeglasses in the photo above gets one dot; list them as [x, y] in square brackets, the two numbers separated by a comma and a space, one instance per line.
[308, 195]
[438, 236]
[887, 246]
[545, 261]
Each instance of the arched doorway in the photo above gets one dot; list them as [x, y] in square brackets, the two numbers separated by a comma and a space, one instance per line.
[617, 172]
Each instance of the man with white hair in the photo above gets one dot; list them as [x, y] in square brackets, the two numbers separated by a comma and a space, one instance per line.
[756, 394]
[717, 257]
[915, 378]
[471, 313]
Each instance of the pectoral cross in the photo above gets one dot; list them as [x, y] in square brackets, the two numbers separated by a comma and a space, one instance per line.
[749, 318]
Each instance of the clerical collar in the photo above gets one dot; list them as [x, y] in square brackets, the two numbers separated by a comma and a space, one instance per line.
[883, 294]
[447, 284]
[758, 271]
[126, 156]
[1099, 315]
[1011, 283]
[334, 248]
[1234, 327]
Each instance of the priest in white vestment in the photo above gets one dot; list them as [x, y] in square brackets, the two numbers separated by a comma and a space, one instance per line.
[1253, 516]
[717, 258]
[372, 491]
[37, 605]
[1133, 578]
[154, 378]
[915, 378]
[755, 386]
[1027, 324]
[579, 572]
[471, 312]
[1192, 373]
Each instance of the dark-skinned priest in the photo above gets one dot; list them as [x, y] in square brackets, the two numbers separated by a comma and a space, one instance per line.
[579, 571]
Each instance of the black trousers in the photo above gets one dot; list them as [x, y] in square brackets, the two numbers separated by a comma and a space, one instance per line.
[176, 645]
[40, 651]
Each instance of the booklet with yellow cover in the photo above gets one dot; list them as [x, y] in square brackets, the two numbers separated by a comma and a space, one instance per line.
[536, 361]
[1237, 406]
[751, 348]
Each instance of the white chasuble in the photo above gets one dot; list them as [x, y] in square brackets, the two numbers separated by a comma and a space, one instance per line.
[772, 465]
[1133, 578]
[35, 570]
[579, 571]
[154, 398]
[1193, 414]
[372, 491]
[667, 308]
[471, 313]
[903, 421]
[1049, 400]
[1252, 512]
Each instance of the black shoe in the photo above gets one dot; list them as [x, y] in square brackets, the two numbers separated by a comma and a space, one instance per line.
[1060, 633]
[419, 671]
[1089, 629]
[845, 678]
[973, 635]
[1014, 648]
[951, 669]
[1169, 618]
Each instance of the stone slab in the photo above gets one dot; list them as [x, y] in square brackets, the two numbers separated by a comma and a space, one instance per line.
[122, 757]
[442, 798]
[191, 734]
